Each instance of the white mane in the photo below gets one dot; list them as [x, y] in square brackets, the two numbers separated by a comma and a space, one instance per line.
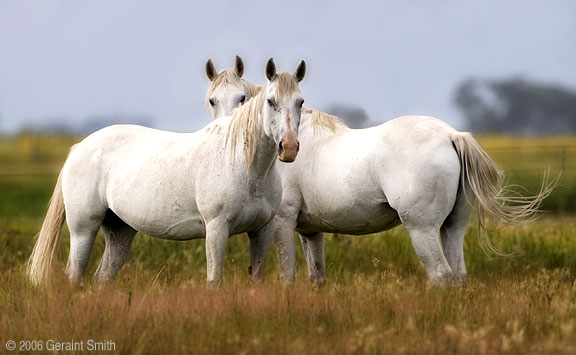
[320, 119]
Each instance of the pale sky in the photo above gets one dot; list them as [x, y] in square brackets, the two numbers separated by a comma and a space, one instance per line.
[76, 59]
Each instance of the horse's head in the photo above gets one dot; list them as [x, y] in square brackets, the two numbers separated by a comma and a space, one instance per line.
[281, 110]
[228, 90]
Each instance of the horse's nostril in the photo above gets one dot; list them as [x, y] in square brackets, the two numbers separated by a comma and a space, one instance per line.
[280, 147]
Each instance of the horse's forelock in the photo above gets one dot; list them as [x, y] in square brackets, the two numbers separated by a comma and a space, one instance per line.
[285, 83]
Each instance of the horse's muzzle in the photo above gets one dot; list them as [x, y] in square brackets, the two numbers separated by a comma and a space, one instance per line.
[288, 148]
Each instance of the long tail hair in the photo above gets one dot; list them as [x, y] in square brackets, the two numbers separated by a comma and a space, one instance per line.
[493, 201]
[40, 262]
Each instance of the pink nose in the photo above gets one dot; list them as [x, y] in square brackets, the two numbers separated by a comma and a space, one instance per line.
[288, 149]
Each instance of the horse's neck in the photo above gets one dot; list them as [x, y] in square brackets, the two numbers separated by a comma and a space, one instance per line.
[265, 156]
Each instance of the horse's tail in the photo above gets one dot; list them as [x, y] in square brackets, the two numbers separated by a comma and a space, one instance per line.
[493, 201]
[40, 262]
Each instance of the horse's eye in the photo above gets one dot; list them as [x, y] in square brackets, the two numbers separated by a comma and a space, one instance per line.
[271, 102]
[243, 99]
[212, 103]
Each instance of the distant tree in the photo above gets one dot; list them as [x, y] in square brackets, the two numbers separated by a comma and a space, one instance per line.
[355, 117]
[49, 125]
[516, 106]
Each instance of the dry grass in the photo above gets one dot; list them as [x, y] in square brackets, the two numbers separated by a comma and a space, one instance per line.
[377, 300]
[380, 313]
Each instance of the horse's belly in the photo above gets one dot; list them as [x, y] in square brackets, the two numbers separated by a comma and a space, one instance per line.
[185, 229]
[359, 219]
[159, 223]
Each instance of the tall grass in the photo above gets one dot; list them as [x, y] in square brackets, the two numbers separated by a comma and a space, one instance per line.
[376, 301]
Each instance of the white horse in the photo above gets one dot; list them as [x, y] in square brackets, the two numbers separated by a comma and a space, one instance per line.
[176, 186]
[414, 170]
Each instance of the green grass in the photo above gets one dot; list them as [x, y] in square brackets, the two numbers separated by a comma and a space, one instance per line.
[376, 300]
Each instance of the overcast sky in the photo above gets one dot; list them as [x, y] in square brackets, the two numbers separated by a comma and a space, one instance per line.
[75, 59]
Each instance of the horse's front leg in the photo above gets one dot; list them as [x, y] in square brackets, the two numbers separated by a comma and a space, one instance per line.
[260, 241]
[217, 234]
[284, 240]
[313, 246]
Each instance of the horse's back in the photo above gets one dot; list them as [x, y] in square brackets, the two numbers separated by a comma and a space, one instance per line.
[122, 138]
[122, 151]
[417, 143]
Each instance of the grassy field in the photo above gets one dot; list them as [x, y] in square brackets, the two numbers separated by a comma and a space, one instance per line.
[376, 299]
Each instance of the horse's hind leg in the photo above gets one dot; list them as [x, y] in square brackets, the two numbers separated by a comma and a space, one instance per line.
[423, 213]
[82, 235]
[313, 245]
[81, 242]
[452, 234]
[427, 245]
[119, 237]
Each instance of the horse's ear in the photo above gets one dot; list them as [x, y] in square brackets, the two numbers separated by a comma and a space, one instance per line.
[239, 66]
[300, 71]
[210, 70]
[270, 69]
